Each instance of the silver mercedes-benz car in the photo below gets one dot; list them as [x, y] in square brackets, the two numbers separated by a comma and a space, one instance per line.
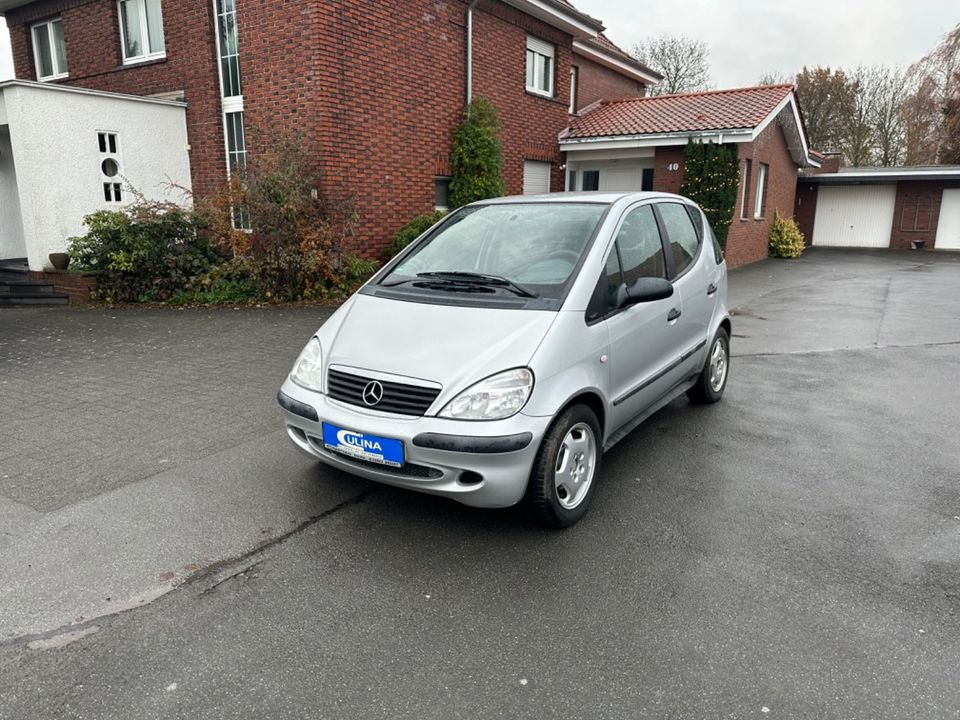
[500, 354]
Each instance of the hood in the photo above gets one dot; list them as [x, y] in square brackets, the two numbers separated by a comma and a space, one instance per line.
[453, 346]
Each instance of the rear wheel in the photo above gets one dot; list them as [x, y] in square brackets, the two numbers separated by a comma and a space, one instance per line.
[564, 475]
[713, 379]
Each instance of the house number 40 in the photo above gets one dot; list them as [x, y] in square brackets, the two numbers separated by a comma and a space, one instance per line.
[673, 167]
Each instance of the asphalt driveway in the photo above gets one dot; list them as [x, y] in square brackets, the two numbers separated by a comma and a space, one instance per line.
[791, 552]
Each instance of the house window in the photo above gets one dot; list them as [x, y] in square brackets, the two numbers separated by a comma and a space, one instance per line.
[229, 47]
[141, 30]
[109, 145]
[536, 177]
[646, 180]
[572, 181]
[761, 198]
[917, 214]
[50, 50]
[745, 193]
[574, 80]
[591, 179]
[540, 59]
[237, 160]
[441, 193]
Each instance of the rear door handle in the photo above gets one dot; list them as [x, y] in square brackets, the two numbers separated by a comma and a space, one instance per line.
[673, 315]
[712, 289]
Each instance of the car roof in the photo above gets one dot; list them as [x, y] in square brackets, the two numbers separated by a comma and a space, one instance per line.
[602, 198]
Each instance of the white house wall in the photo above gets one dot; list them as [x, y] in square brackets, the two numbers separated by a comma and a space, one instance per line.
[11, 229]
[57, 157]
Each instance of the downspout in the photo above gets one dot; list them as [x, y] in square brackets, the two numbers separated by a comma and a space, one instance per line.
[473, 4]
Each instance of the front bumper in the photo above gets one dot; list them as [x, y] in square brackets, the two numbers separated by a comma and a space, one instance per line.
[482, 464]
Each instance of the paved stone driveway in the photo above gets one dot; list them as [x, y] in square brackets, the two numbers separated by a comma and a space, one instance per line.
[91, 400]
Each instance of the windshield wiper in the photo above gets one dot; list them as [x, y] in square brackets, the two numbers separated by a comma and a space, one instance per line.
[481, 279]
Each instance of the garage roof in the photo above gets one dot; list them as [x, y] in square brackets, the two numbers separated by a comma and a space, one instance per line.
[873, 175]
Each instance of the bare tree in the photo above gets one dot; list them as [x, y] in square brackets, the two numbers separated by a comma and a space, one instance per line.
[889, 87]
[774, 77]
[827, 98]
[931, 113]
[683, 62]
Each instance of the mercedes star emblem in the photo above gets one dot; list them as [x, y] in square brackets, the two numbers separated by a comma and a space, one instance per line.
[373, 393]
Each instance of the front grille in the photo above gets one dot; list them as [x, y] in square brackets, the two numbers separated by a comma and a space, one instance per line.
[397, 397]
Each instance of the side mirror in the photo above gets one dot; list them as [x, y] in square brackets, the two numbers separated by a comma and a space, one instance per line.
[645, 289]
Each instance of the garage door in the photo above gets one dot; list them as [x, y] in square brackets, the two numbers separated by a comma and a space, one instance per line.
[860, 216]
[536, 177]
[948, 228]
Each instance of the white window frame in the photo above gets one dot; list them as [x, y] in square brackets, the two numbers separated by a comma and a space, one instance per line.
[758, 204]
[540, 53]
[58, 73]
[144, 34]
[112, 186]
[574, 89]
[745, 190]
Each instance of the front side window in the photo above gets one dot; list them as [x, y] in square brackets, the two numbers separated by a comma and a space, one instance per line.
[540, 61]
[538, 245]
[684, 238]
[640, 248]
[50, 50]
[141, 30]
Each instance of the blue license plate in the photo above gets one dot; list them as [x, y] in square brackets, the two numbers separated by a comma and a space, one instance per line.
[372, 448]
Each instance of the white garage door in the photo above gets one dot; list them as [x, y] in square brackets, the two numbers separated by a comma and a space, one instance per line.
[536, 177]
[860, 216]
[948, 228]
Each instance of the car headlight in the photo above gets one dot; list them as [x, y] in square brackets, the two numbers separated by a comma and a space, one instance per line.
[308, 369]
[495, 398]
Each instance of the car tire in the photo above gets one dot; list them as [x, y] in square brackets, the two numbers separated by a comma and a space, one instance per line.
[716, 370]
[564, 476]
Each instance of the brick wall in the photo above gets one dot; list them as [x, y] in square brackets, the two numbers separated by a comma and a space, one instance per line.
[392, 85]
[92, 36]
[917, 213]
[373, 88]
[748, 239]
[76, 287]
[665, 179]
[596, 82]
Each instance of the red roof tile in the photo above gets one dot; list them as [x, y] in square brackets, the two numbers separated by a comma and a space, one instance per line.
[687, 112]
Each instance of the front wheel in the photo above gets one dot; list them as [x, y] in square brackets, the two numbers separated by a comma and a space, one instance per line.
[713, 379]
[564, 475]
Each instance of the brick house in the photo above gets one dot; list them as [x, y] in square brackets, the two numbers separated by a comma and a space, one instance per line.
[638, 144]
[373, 90]
[901, 208]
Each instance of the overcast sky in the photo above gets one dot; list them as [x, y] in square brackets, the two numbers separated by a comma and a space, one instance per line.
[751, 37]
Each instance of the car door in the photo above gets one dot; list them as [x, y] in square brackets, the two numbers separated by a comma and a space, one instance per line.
[643, 337]
[696, 278]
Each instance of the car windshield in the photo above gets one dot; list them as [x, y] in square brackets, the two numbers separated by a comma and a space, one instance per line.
[522, 249]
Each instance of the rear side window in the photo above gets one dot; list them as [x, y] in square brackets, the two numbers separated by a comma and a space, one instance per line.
[640, 248]
[684, 239]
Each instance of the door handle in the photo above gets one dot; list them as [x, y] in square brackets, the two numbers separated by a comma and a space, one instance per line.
[673, 315]
[712, 289]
